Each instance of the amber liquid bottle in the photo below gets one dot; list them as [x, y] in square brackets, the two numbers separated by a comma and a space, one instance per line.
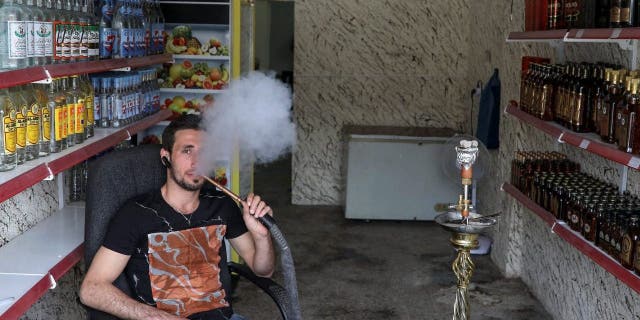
[614, 14]
[602, 96]
[628, 246]
[622, 116]
[583, 102]
[634, 123]
[613, 98]
[555, 18]
[547, 94]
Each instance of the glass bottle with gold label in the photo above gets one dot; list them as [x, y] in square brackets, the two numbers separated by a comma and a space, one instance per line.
[75, 102]
[622, 116]
[628, 247]
[89, 105]
[7, 132]
[582, 102]
[40, 93]
[70, 119]
[21, 123]
[34, 114]
[607, 124]
[57, 106]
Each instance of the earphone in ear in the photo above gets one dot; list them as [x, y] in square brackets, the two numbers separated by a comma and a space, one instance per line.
[165, 162]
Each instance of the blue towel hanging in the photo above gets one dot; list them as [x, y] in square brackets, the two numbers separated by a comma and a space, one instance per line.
[489, 114]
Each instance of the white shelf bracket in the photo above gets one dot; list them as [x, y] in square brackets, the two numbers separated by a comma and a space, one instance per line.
[47, 80]
[125, 69]
[128, 138]
[51, 175]
[53, 282]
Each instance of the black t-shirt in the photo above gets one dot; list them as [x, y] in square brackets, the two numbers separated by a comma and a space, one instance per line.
[174, 255]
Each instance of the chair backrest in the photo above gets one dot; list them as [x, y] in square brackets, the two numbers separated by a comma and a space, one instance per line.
[112, 180]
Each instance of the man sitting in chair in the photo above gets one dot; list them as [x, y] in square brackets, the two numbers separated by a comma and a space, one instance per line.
[170, 242]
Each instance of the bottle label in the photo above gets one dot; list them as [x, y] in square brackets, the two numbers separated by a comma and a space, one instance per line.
[94, 40]
[126, 40]
[43, 46]
[58, 39]
[21, 127]
[119, 109]
[156, 37]
[75, 40]
[615, 14]
[71, 118]
[46, 123]
[107, 38]
[79, 117]
[59, 123]
[31, 44]
[66, 41]
[9, 123]
[625, 15]
[33, 125]
[17, 38]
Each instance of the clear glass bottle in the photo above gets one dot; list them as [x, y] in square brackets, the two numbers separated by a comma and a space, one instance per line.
[83, 25]
[157, 28]
[118, 104]
[56, 105]
[34, 115]
[45, 119]
[59, 17]
[76, 104]
[107, 34]
[89, 105]
[70, 108]
[120, 26]
[106, 107]
[13, 36]
[7, 132]
[93, 32]
[20, 101]
[35, 49]
[72, 8]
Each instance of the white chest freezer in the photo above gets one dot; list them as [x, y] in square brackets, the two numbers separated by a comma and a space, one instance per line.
[396, 174]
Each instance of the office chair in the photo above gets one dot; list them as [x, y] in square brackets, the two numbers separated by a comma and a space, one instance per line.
[120, 175]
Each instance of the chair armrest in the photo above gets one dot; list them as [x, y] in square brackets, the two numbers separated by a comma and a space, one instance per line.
[277, 293]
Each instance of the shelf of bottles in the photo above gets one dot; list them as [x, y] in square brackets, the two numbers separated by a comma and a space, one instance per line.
[576, 240]
[587, 141]
[32, 172]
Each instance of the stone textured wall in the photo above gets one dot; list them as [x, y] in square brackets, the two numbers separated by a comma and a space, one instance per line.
[569, 285]
[395, 63]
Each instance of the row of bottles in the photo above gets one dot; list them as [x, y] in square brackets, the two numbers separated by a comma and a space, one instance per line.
[586, 98]
[42, 119]
[567, 14]
[39, 32]
[591, 207]
[130, 28]
[122, 98]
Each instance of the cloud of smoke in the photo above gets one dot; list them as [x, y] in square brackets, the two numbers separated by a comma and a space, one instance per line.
[254, 114]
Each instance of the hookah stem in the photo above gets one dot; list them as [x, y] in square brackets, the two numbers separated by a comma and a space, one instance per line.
[266, 219]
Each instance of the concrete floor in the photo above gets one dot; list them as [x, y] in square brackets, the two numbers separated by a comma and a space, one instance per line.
[375, 270]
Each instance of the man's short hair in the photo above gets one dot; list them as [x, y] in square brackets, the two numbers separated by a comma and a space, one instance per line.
[184, 122]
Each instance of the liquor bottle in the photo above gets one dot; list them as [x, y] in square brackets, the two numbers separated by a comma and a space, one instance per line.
[119, 27]
[556, 15]
[89, 105]
[573, 14]
[45, 119]
[45, 30]
[35, 46]
[106, 107]
[93, 41]
[546, 95]
[607, 124]
[72, 37]
[13, 37]
[628, 247]
[76, 105]
[118, 105]
[83, 26]
[7, 132]
[59, 29]
[70, 114]
[21, 123]
[622, 117]
[583, 102]
[615, 13]
[602, 13]
[34, 114]
[107, 34]
[146, 24]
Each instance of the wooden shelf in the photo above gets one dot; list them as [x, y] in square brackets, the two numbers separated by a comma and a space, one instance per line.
[31, 263]
[587, 141]
[39, 73]
[540, 36]
[32, 172]
[576, 240]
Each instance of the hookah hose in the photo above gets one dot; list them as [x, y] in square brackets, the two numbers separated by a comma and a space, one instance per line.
[288, 269]
[286, 260]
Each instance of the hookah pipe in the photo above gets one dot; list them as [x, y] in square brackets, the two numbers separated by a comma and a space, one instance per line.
[286, 258]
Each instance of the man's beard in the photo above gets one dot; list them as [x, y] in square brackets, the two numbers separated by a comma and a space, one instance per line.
[185, 185]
